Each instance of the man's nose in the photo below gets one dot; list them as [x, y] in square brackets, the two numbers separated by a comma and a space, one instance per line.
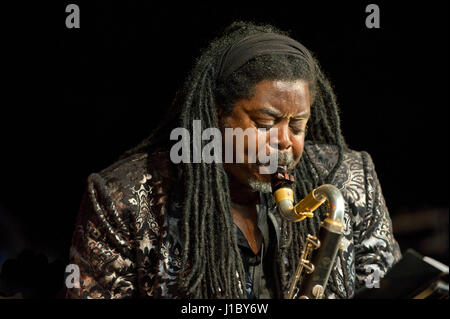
[284, 140]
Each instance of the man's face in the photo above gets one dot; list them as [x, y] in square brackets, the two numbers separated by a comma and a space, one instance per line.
[281, 105]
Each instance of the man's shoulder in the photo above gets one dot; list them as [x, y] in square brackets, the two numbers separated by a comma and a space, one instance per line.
[327, 155]
[134, 170]
[135, 163]
[353, 174]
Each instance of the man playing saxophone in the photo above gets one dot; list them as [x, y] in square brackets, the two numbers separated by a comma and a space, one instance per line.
[150, 227]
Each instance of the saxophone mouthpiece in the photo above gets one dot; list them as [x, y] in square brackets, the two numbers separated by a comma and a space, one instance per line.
[283, 193]
[282, 178]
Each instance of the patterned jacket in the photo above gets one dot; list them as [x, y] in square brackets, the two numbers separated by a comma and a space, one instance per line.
[126, 245]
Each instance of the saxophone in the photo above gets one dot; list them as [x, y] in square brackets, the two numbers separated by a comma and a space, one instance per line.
[319, 253]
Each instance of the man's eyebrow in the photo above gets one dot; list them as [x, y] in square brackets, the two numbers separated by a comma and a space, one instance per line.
[302, 115]
[271, 111]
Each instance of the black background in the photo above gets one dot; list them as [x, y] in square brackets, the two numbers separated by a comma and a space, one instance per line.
[74, 99]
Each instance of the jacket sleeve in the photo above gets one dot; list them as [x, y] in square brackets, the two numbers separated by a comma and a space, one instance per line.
[101, 246]
[376, 249]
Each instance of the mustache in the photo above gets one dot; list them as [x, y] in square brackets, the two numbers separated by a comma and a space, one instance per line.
[284, 158]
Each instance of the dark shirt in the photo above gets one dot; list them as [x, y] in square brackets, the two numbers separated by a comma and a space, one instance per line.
[258, 268]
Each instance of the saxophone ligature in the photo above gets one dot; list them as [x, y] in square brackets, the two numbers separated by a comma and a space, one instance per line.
[319, 252]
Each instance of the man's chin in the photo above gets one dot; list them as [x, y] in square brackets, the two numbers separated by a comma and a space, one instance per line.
[260, 186]
[261, 173]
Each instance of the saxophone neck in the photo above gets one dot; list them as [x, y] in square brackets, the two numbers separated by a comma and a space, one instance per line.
[336, 206]
[284, 198]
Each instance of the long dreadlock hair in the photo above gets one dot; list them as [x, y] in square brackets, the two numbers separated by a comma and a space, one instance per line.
[211, 262]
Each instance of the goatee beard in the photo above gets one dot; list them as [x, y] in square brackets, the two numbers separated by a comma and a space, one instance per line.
[284, 159]
[258, 186]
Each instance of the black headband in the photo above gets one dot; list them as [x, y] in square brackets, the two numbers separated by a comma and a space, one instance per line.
[258, 44]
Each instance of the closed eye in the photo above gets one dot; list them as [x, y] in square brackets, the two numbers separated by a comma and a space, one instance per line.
[260, 126]
[263, 123]
[298, 126]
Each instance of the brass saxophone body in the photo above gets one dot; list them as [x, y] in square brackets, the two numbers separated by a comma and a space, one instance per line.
[318, 255]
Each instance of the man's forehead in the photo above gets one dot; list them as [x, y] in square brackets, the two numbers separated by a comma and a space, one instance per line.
[279, 93]
[280, 88]
[289, 101]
